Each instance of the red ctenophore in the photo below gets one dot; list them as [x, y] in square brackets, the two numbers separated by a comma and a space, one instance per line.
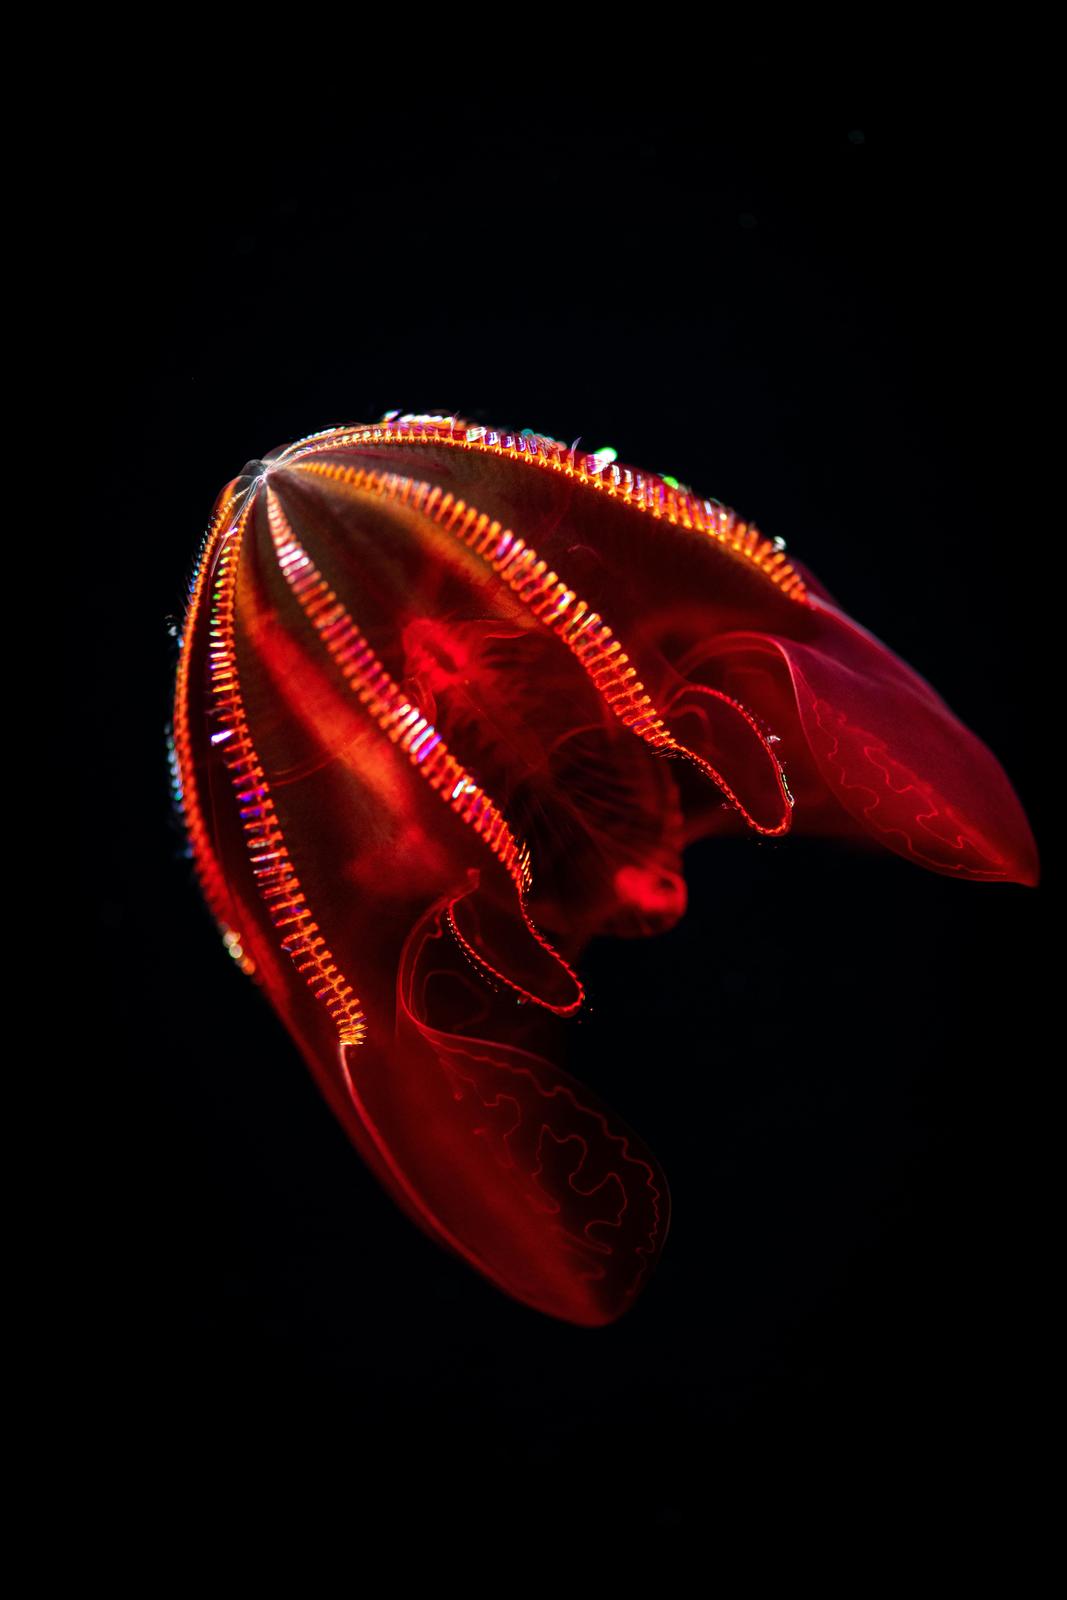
[451, 701]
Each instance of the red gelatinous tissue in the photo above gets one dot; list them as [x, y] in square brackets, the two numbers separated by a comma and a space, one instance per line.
[451, 701]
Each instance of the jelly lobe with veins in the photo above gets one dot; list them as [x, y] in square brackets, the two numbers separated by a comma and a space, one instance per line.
[449, 703]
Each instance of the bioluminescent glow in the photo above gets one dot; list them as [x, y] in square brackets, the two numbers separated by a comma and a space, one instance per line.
[451, 701]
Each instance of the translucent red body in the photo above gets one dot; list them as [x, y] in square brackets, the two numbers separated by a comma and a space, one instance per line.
[449, 703]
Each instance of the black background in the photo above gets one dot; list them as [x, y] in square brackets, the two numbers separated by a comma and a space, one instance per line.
[807, 292]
